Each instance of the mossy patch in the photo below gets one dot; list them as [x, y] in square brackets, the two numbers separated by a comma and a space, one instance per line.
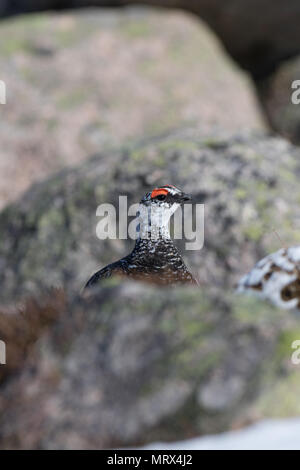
[72, 98]
[136, 29]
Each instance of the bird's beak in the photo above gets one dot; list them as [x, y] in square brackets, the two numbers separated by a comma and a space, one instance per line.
[185, 197]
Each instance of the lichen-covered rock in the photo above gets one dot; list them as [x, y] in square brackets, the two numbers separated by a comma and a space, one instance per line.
[134, 364]
[48, 238]
[152, 71]
[276, 94]
[251, 30]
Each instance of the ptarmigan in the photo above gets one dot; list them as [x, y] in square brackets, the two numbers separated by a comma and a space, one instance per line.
[276, 278]
[155, 257]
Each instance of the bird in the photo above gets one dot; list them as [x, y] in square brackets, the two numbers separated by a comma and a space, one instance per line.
[154, 257]
[276, 278]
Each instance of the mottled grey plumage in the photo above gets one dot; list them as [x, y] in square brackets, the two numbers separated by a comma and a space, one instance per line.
[154, 260]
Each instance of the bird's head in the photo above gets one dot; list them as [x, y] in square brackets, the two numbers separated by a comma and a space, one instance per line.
[167, 196]
[157, 206]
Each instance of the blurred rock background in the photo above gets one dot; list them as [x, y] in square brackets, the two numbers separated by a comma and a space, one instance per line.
[105, 102]
[79, 83]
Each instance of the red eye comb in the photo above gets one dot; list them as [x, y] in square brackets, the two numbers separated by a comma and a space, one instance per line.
[159, 191]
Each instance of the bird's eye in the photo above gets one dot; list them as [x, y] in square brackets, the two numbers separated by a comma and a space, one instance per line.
[161, 197]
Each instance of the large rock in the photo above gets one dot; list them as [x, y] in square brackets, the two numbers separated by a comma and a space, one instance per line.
[276, 93]
[136, 364]
[49, 236]
[259, 34]
[78, 83]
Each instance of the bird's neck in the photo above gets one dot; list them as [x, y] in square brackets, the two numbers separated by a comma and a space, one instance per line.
[154, 223]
